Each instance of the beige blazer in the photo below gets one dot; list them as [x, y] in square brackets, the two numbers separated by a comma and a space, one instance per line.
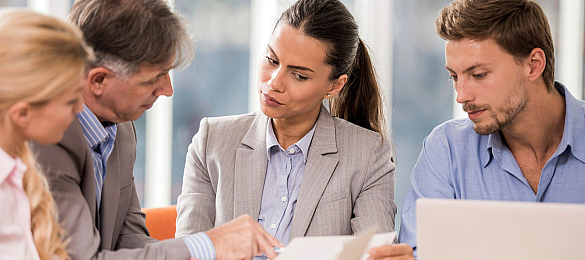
[120, 223]
[348, 184]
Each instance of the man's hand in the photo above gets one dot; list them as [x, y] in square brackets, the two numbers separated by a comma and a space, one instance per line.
[391, 252]
[242, 238]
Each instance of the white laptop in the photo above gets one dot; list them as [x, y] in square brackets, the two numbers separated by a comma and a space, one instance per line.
[471, 229]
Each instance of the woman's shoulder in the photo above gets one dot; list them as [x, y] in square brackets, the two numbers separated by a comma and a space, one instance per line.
[344, 126]
[354, 134]
[354, 141]
[227, 129]
[232, 120]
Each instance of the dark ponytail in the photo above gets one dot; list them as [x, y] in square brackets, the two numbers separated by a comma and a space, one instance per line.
[329, 21]
[359, 101]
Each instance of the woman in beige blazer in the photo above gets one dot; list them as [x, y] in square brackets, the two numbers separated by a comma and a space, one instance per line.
[295, 167]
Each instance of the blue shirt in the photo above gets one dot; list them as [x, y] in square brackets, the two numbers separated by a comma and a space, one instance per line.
[284, 174]
[200, 246]
[100, 137]
[457, 163]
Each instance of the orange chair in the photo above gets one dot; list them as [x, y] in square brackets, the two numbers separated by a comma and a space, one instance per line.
[161, 222]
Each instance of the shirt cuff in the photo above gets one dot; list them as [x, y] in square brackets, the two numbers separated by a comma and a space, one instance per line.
[200, 246]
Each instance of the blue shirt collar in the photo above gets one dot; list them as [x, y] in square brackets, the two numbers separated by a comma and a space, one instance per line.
[494, 147]
[94, 131]
[303, 144]
[572, 134]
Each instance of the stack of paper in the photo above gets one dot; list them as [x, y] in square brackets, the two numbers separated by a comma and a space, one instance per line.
[335, 247]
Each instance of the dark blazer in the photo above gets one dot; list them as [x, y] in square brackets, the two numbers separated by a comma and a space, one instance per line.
[347, 187]
[120, 223]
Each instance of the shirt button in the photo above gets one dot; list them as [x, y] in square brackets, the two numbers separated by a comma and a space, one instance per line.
[292, 150]
[283, 198]
[273, 226]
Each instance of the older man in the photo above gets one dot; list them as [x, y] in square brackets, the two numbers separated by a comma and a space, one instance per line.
[136, 43]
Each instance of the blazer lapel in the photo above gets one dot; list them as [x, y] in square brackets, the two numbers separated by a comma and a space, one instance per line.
[110, 197]
[250, 169]
[321, 163]
[71, 141]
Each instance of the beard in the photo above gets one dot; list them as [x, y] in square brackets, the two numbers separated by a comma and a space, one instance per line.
[500, 117]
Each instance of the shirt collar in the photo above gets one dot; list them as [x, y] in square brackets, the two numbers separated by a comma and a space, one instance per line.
[10, 165]
[572, 133]
[574, 125]
[495, 147]
[303, 144]
[94, 131]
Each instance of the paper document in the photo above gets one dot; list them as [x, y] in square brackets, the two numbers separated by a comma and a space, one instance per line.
[335, 247]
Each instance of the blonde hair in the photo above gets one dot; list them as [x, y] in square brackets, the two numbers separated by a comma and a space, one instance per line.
[40, 58]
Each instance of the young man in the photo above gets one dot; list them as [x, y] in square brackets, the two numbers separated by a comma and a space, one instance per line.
[136, 43]
[523, 140]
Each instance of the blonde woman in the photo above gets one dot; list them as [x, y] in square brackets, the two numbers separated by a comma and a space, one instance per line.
[42, 63]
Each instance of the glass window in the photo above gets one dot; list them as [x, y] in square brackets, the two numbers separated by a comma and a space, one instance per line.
[216, 84]
[422, 95]
[139, 165]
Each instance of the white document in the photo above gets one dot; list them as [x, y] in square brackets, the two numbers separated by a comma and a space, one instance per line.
[335, 247]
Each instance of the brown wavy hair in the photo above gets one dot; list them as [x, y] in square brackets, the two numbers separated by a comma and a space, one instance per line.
[517, 26]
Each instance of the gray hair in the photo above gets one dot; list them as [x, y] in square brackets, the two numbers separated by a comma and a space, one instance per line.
[127, 33]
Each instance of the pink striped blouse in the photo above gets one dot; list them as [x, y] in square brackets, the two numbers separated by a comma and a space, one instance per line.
[16, 241]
